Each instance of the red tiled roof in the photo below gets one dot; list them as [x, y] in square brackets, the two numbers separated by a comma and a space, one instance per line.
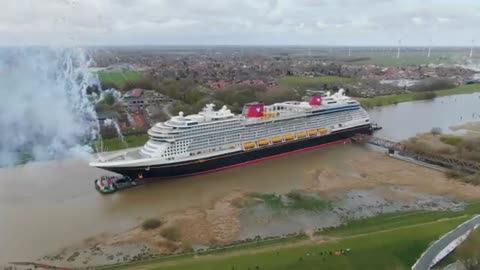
[137, 92]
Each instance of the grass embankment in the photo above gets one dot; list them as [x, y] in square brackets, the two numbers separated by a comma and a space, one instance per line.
[114, 144]
[118, 78]
[394, 99]
[393, 241]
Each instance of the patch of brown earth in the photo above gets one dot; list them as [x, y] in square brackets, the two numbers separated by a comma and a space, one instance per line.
[473, 127]
[217, 224]
[427, 142]
[380, 169]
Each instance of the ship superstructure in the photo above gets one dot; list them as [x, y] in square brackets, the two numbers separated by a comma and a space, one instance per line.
[216, 139]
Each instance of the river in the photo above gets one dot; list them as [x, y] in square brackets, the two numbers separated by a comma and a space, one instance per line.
[48, 205]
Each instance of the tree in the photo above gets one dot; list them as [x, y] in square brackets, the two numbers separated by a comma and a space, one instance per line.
[108, 85]
[142, 83]
[278, 94]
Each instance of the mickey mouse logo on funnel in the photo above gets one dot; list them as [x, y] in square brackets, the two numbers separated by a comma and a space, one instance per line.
[315, 101]
[255, 110]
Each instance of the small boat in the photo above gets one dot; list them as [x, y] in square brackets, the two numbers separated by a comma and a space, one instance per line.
[301, 134]
[376, 127]
[312, 132]
[111, 184]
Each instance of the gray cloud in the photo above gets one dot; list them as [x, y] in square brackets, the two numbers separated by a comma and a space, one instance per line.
[323, 22]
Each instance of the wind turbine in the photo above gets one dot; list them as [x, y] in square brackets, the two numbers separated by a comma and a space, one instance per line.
[349, 51]
[398, 50]
[471, 48]
[429, 48]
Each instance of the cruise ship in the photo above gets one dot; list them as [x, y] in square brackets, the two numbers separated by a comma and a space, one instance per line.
[214, 140]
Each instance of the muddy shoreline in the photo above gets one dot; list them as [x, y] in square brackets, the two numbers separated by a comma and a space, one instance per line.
[363, 186]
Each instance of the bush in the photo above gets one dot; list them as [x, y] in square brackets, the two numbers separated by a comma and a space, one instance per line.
[151, 224]
[171, 233]
[108, 85]
[143, 83]
[473, 179]
[305, 202]
[452, 140]
[436, 131]
[433, 84]
[452, 174]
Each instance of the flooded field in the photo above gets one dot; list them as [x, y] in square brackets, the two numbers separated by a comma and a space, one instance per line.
[50, 205]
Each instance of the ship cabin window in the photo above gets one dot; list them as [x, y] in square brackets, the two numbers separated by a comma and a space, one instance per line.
[331, 102]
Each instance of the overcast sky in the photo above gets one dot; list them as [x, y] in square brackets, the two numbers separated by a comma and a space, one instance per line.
[262, 22]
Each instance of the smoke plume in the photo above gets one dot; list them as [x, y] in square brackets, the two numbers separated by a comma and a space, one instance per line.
[45, 112]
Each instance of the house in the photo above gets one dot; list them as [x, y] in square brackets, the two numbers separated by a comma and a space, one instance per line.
[141, 98]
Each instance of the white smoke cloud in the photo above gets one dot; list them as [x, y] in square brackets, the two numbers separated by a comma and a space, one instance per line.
[45, 111]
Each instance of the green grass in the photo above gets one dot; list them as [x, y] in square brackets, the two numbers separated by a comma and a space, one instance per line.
[298, 200]
[114, 144]
[451, 139]
[394, 99]
[408, 58]
[273, 200]
[391, 241]
[118, 78]
[395, 249]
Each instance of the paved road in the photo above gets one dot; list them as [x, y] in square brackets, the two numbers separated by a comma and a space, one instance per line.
[427, 259]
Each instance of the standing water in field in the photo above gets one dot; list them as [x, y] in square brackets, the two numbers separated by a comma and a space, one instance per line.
[46, 112]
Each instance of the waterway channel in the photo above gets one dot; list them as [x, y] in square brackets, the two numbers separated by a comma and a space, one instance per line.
[47, 205]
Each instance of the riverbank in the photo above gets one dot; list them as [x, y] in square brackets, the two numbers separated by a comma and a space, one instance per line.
[395, 99]
[395, 239]
[329, 196]
[464, 146]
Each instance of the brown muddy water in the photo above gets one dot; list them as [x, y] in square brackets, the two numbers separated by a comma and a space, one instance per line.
[49, 205]
[46, 206]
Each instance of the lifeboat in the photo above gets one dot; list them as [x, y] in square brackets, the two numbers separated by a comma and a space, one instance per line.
[312, 132]
[288, 137]
[248, 145]
[301, 134]
[323, 130]
[262, 142]
[276, 139]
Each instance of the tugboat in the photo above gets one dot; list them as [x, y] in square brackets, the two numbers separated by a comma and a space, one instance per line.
[111, 184]
[375, 127]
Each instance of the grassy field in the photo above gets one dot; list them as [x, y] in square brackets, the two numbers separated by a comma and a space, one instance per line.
[392, 241]
[394, 99]
[114, 144]
[438, 56]
[118, 78]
